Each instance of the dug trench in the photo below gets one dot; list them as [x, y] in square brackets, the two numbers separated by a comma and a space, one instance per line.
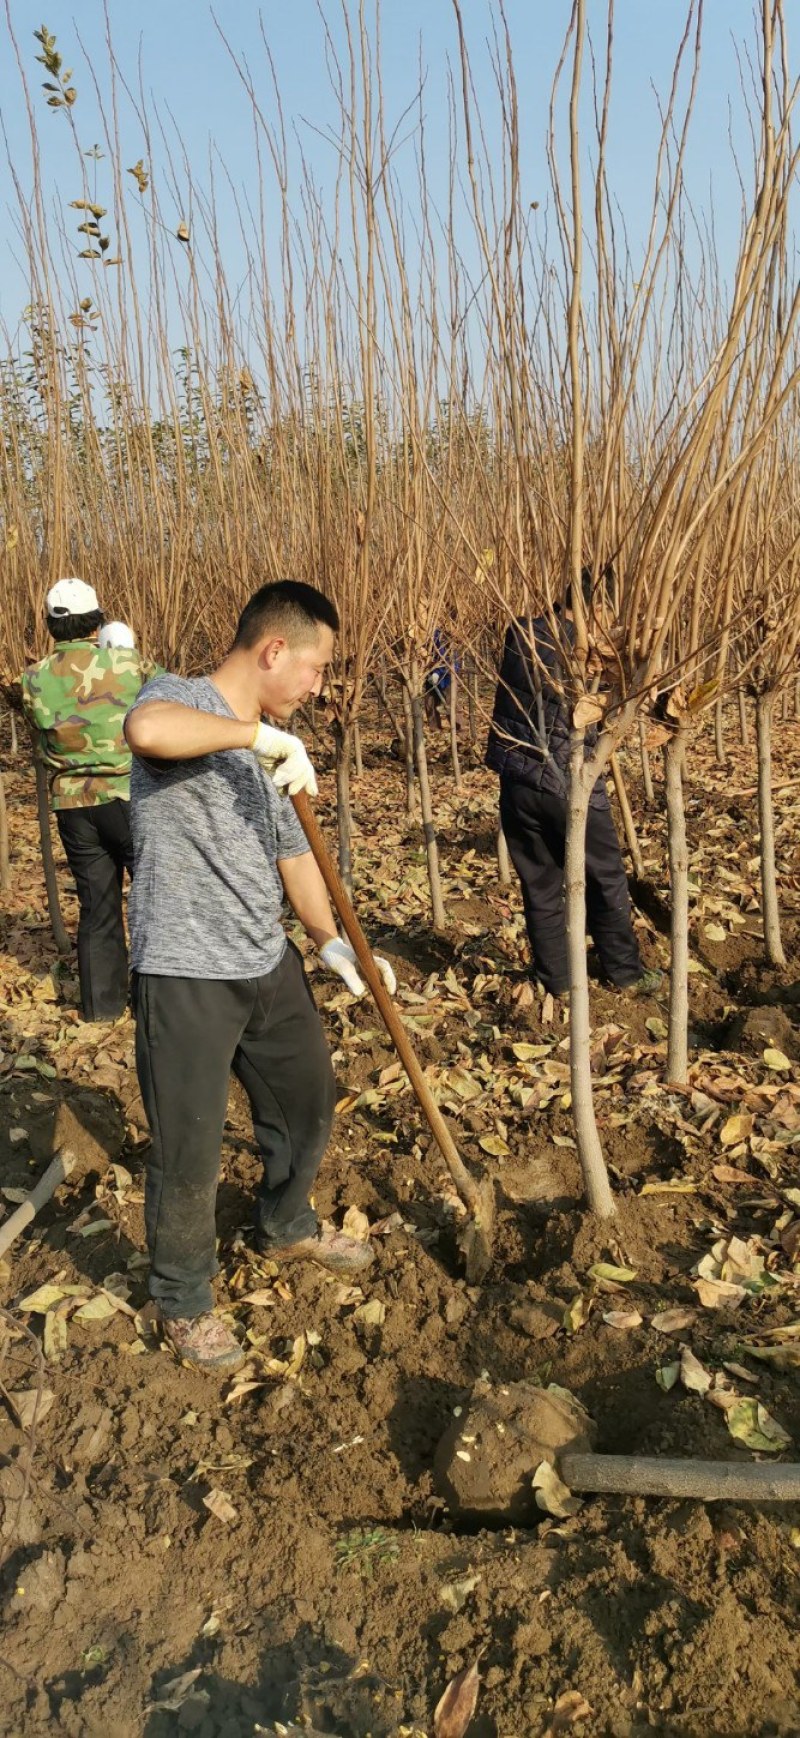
[181, 1554]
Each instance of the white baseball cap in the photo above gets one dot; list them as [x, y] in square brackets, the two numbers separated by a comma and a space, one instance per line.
[116, 635]
[71, 597]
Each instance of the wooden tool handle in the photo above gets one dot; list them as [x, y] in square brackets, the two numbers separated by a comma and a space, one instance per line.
[57, 1171]
[710, 1480]
[467, 1188]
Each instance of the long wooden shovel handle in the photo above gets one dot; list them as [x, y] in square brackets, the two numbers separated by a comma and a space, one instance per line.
[57, 1172]
[709, 1480]
[467, 1188]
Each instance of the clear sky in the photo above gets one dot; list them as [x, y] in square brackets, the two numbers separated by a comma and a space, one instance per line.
[192, 85]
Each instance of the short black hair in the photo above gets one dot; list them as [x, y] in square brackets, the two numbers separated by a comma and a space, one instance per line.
[605, 585]
[287, 607]
[586, 588]
[75, 627]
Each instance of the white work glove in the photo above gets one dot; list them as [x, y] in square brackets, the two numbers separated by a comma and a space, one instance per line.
[339, 957]
[284, 760]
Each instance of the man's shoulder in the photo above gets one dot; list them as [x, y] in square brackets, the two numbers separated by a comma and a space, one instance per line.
[186, 690]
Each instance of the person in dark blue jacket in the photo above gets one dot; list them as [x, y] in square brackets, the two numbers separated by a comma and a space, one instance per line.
[529, 748]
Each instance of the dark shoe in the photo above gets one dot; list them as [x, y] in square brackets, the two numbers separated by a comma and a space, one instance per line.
[650, 981]
[329, 1248]
[205, 1342]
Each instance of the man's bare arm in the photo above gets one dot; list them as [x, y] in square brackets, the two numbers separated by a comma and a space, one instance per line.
[166, 730]
[308, 897]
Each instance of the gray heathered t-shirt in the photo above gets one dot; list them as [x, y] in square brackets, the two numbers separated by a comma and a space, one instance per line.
[206, 896]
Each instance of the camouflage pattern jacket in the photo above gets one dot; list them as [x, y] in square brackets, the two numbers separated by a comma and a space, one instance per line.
[77, 700]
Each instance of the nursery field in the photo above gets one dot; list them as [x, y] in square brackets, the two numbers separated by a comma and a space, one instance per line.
[275, 1551]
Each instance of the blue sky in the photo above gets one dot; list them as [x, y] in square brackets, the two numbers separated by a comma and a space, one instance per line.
[191, 84]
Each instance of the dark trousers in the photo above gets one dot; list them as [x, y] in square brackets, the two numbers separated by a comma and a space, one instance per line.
[535, 824]
[190, 1034]
[98, 846]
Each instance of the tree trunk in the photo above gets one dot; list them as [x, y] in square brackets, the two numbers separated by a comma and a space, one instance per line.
[503, 859]
[459, 782]
[719, 740]
[773, 946]
[342, 735]
[472, 702]
[359, 769]
[428, 829]
[744, 728]
[5, 855]
[627, 818]
[678, 1040]
[647, 776]
[408, 750]
[60, 937]
[14, 739]
[590, 1152]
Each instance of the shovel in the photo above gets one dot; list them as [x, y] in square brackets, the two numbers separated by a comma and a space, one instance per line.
[478, 1198]
[57, 1172]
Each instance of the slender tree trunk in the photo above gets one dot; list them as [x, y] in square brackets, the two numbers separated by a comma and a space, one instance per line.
[408, 750]
[359, 767]
[472, 702]
[744, 728]
[60, 936]
[647, 776]
[773, 946]
[678, 1041]
[590, 1152]
[14, 739]
[428, 829]
[627, 818]
[5, 855]
[719, 739]
[797, 698]
[503, 859]
[459, 782]
[342, 734]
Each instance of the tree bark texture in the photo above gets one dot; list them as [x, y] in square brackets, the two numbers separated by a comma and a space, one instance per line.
[344, 744]
[408, 750]
[744, 728]
[590, 1152]
[678, 1039]
[5, 854]
[426, 801]
[456, 764]
[773, 945]
[647, 776]
[60, 936]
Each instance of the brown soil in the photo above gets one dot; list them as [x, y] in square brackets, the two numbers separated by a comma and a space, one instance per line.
[341, 1594]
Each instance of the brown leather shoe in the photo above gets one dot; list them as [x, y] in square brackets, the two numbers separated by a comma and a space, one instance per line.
[204, 1341]
[330, 1248]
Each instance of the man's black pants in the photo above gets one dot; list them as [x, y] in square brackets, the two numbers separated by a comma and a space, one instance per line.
[535, 824]
[190, 1034]
[98, 846]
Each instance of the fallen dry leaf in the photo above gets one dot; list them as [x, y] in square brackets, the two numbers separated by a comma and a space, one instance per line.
[30, 1405]
[356, 1224]
[173, 1695]
[750, 1422]
[219, 1505]
[457, 1706]
[622, 1318]
[570, 1706]
[552, 1494]
[672, 1321]
[693, 1374]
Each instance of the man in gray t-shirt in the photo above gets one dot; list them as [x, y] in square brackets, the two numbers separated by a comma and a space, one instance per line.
[217, 986]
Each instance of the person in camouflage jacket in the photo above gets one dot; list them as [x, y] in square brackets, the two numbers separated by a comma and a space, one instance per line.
[75, 701]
